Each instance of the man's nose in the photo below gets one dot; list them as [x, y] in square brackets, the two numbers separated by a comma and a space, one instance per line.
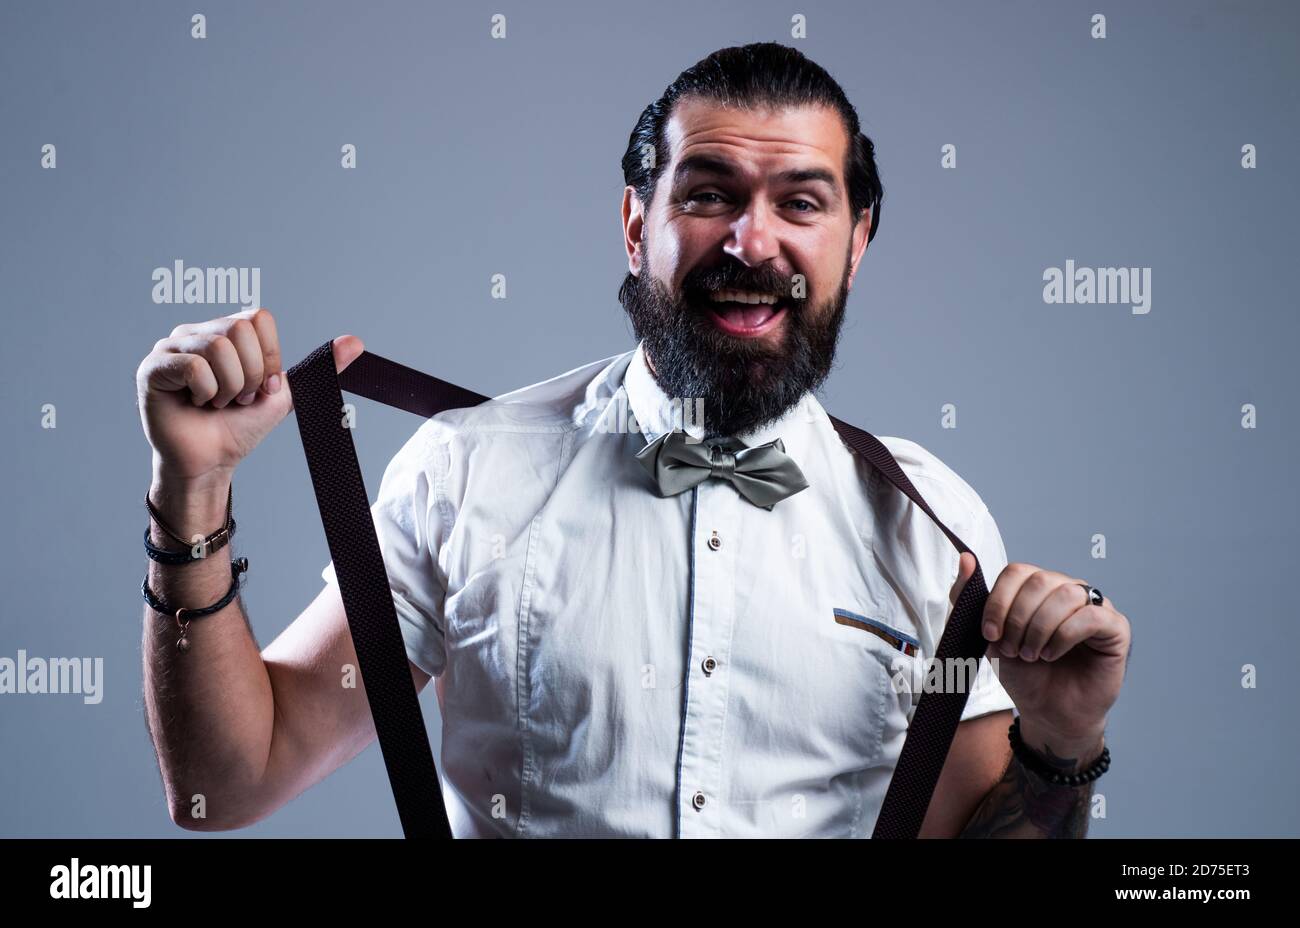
[753, 238]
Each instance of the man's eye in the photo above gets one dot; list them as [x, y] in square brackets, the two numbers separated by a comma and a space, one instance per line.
[695, 197]
[810, 206]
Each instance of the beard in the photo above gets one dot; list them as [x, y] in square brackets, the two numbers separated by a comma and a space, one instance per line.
[745, 383]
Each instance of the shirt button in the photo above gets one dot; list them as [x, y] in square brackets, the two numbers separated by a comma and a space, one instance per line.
[698, 800]
[709, 665]
[715, 542]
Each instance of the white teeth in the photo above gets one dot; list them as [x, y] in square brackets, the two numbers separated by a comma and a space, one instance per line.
[742, 296]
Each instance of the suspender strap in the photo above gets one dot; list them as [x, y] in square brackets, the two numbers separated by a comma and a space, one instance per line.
[934, 723]
[363, 584]
[359, 565]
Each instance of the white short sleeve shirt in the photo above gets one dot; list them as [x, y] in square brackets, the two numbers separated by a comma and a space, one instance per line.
[610, 662]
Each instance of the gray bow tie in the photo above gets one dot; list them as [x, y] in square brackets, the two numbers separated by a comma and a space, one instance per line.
[764, 475]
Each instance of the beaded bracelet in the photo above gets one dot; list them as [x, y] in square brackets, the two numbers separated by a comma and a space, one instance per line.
[1034, 762]
[183, 615]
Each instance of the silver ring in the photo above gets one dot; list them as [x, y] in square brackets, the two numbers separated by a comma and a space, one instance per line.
[1094, 595]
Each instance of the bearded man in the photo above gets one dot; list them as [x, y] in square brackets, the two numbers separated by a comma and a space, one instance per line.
[659, 594]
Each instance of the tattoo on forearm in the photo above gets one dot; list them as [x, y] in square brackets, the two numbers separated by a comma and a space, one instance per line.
[1023, 805]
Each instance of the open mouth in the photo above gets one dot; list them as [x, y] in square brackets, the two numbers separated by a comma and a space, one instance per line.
[745, 314]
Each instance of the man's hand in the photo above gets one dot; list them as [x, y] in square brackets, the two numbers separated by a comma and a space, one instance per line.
[211, 391]
[1062, 661]
[1060, 658]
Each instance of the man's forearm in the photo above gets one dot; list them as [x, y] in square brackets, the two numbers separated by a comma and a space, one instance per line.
[1024, 805]
[210, 710]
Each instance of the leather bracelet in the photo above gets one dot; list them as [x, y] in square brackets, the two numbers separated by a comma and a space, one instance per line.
[183, 615]
[1035, 762]
[214, 542]
[168, 556]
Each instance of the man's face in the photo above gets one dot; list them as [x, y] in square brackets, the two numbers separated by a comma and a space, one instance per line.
[744, 261]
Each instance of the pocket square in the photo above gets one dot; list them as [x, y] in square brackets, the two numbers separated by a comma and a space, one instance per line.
[898, 640]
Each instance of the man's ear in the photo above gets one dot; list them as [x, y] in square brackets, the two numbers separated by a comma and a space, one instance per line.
[633, 224]
[859, 243]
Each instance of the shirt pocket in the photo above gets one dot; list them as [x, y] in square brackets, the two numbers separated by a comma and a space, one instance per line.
[892, 643]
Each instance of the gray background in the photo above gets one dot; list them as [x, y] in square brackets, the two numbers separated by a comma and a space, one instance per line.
[479, 157]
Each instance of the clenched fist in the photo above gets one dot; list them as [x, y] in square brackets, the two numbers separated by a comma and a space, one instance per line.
[211, 391]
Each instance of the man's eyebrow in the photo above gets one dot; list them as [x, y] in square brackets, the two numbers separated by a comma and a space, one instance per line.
[703, 164]
[711, 164]
[808, 176]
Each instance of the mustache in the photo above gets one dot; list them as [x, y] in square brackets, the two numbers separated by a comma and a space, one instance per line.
[699, 283]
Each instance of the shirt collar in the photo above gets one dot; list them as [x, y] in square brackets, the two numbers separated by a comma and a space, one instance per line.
[657, 413]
